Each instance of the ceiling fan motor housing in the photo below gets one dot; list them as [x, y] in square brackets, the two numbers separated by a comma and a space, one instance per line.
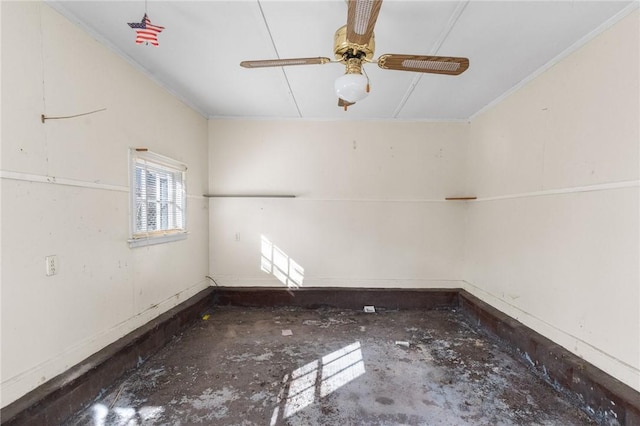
[345, 50]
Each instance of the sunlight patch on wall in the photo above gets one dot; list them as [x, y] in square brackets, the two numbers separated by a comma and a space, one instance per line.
[276, 262]
[319, 378]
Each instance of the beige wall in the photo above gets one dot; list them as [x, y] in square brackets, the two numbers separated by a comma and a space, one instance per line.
[369, 212]
[553, 239]
[103, 289]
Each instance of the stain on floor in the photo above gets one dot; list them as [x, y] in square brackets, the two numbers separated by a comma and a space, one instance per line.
[338, 367]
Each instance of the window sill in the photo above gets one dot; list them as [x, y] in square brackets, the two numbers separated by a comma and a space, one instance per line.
[159, 239]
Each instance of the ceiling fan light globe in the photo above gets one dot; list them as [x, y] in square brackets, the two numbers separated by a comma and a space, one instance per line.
[351, 87]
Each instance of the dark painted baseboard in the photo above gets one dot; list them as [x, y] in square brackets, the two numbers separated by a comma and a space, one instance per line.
[605, 397]
[344, 298]
[62, 396]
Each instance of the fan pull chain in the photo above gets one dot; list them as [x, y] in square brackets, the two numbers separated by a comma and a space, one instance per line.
[366, 75]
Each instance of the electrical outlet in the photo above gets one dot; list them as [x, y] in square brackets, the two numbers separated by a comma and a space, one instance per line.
[51, 264]
[237, 236]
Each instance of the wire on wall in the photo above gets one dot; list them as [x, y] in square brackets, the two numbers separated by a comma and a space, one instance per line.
[43, 117]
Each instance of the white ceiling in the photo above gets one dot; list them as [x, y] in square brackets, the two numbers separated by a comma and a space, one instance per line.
[204, 41]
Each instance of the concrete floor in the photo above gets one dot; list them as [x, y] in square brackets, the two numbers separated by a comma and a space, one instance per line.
[336, 368]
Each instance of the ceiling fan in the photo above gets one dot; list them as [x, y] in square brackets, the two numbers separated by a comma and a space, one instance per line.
[354, 46]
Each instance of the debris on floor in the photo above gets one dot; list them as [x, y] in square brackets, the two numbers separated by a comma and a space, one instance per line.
[334, 368]
[370, 309]
[287, 333]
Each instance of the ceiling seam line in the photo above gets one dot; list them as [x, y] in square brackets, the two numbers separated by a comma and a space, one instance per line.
[273, 43]
[434, 50]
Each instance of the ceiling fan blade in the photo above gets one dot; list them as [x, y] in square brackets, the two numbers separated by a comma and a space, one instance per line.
[361, 18]
[284, 62]
[429, 64]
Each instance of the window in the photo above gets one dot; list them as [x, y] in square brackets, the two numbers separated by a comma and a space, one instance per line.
[158, 199]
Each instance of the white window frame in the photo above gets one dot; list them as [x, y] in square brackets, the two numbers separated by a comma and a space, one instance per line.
[175, 198]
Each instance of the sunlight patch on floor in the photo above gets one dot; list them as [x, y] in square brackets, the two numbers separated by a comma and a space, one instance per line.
[320, 378]
[103, 415]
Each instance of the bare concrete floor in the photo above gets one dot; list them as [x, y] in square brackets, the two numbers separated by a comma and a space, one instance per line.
[336, 368]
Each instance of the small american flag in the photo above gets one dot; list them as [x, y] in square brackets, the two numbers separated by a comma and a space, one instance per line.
[145, 31]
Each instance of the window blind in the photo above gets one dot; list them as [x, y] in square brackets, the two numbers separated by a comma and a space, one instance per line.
[158, 196]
